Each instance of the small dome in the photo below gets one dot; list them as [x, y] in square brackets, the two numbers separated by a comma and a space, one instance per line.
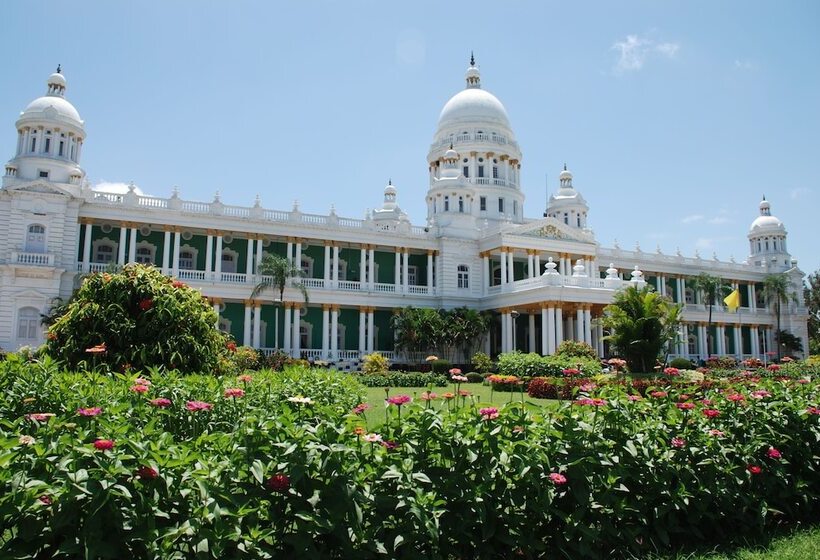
[565, 174]
[56, 79]
[390, 189]
[766, 222]
[451, 153]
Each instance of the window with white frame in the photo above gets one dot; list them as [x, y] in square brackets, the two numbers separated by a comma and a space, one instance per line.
[342, 269]
[412, 275]
[145, 253]
[500, 205]
[105, 251]
[36, 239]
[305, 335]
[224, 325]
[689, 295]
[229, 258]
[187, 259]
[28, 324]
[482, 203]
[463, 276]
[307, 266]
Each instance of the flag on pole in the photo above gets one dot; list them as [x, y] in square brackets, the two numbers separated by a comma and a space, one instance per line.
[732, 301]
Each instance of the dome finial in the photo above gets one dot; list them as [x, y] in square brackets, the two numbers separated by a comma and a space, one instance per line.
[390, 181]
[473, 76]
[59, 69]
[565, 166]
[451, 145]
[472, 59]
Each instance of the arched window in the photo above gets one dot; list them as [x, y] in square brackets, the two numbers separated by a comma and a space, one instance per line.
[307, 266]
[305, 335]
[186, 260]
[229, 260]
[145, 253]
[464, 276]
[689, 296]
[497, 276]
[28, 324]
[36, 239]
[105, 251]
[446, 203]
[692, 344]
[461, 204]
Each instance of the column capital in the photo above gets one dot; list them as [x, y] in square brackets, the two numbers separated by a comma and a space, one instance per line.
[335, 307]
[249, 302]
[325, 307]
[212, 232]
[215, 300]
[86, 221]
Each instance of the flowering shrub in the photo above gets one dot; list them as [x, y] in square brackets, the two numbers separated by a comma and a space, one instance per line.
[375, 363]
[573, 349]
[396, 379]
[535, 365]
[136, 318]
[264, 476]
[482, 363]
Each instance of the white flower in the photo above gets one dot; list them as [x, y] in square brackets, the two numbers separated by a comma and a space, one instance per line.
[372, 438]
[299, 399]
[26, 440]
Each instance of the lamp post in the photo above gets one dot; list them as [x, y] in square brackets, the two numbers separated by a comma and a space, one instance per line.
[515, 315]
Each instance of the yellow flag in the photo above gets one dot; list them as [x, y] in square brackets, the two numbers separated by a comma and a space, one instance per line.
[732, 301]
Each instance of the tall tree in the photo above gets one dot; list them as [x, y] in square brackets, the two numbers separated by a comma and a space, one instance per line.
[811, 295]
[778, 290]
[712, 288]
[642, 323]
[277, 273]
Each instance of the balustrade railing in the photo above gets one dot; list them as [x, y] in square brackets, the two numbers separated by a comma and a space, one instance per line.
[33, 259]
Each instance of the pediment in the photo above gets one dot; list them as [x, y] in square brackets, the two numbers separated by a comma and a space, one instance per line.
[41, 187]
[550, 228]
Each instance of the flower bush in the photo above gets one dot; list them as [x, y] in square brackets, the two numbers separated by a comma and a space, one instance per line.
[396, 379]
[375, 363]
[573, 349]
[535, 365]
[265, 476]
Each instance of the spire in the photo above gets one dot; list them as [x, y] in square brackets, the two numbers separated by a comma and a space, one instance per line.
[472, 60]
[59, 70]
[565, 166]
[473, 77]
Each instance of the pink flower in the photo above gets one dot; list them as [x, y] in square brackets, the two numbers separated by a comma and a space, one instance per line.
[147, 473]
[234, 392]
[160, 402]
[678, 442]
[455, 371]
[569, 372]
[387, 444]
[142, 381]
[372, 438]
[428, 396]
[658, 394]
[399, 400]
[760, 394]
[489, 413]
[104, 444]
[716, 433]
[245, 378]
[193, 406]
[706, 402]
[736, 397]
[810, 410]
[634, 398]
[459, 378]
[754, 469]
[558, 479]
[463, 393]
[45, 499]
[360, 408]
[685, 405]
[590, 402]
[139, 388]
[711, 413]
[40, 416]
[773, 367]
[278, 483]
[93, 411]
[774, 453]
[671, 371]
[587, 387]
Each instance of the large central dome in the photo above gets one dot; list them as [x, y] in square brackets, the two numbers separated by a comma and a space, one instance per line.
[473, 105]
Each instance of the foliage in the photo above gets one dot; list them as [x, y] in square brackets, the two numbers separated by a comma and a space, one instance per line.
[244, 358]
[262, 476]
[811, 295]
[415, 328]
[720, 362]
[137, 318]
[277, 361]
[777, 289]
[482, 363]
[535, 365]
[396, 379]
[375, 363]
[788, 342]
[440, 366]
[713, 289]
[575, 349]
[444, 331]
[680, 363]
[642, 323]
[474, 377]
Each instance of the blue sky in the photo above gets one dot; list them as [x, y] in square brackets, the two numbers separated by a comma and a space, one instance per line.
[675, 117]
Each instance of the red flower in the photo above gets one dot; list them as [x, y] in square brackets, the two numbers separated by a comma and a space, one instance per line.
[98, 349]
[139, 388]
[569, 372]
[754, 469]
[711, 413]
[773, 367]
[104, 444]
[93, 411]
[774, 453]
[160, 402]
[813, 410]
[278, 483]
[387, 444]
[489, 413]
[685, 405]
[231, 346]
[194, 406]
[399, 400]
[146, 304]
[147, 473]
[671, 371]
[678, 442]
[178, 284]
[51, 336]
[736, 397]
[45, 499]
[658, 394]
[234, 392]
[558, 479]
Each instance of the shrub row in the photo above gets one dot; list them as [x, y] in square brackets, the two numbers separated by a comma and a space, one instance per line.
[396, 379]
[535, 365]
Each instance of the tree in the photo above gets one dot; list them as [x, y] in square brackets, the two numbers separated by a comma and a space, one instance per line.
[463, 328]
[416, 329]
[642, 323]
[277, 273]
[811, 295]
[712, 288]
[778, 290]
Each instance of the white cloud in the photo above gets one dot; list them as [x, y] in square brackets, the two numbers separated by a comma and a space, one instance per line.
[705, 243]
[693, 218]
[799, 192]
[717, 220]
[745, 64]
[115, 187]
[634, 51]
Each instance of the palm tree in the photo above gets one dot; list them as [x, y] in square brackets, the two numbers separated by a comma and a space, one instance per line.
[642, 323]
[778, 289]
[712, 288]
[277, 273]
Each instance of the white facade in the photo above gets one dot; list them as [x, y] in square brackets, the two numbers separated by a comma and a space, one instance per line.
[547, 279]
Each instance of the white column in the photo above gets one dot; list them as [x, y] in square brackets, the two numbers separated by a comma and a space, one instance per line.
[752, 297]
[550, 327]
[720, 333]
[327, 275]
[371, 333]
[218, 258]
[121, 248]
[216, 310]
[325, 331]
[530, 265]
[397, 271]
[372, 264]
[588, 326]
[683, 290]
[510, 268]
[738, 338]
[166, 253]
[132, 246]
[429, 272]
[334, 332]
[288, 330]
[579, 325]
[246, 333]
[531, 326]
[679, 286]
[362, 334]
[438, 276]
[485, 274]
[249, 259]
[600, 330]
[258, 254]
[503, 267]
[297, 260]
[296, 329]
[537, 264]
[257, 325]
[755, 335]
[544, 332]
[334, 271]
[362, 267]
[87, 247]
[209, 257]
[175, 264]
[702, 350]
[289, 252]
[405, 281]
[559, 328]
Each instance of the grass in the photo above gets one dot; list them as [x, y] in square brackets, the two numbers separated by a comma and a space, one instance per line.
[480, 394]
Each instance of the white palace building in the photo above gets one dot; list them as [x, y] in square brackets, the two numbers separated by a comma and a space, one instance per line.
[545, 279]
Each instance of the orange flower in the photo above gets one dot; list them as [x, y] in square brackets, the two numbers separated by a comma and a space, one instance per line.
[98, 349]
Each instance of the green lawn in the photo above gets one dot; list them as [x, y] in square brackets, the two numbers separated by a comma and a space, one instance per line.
[480, 394]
